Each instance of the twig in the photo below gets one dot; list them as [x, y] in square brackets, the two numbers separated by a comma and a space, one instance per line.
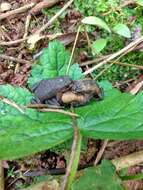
[11, 103]
[105, 69]
[101, 151]
[37, 8]
[87, 37]
[58, 111]
[129, 65]
[1, 176]
[27, 23]
[90, 62]
[16, 11]
[44, 4]
[15, 42]
[137, 88]
[127, 3]
[74, 158]
[37, 106]
[76, 38]
[22, 61]
[129, 160]
[54, 17]
[113, 56]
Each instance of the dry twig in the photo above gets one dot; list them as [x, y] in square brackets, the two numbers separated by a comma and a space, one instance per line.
[11, 103]
[54, 17]
[44, 4]
[22, 61]
[101, 151]
[58, 111]
[16, 11]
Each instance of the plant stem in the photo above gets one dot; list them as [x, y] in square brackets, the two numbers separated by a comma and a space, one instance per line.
[74, 158]
[76, 38]
[1, 176]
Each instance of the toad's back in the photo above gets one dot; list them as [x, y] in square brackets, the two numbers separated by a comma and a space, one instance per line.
[48, 88]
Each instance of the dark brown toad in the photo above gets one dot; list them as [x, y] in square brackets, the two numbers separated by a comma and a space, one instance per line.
[63, 91]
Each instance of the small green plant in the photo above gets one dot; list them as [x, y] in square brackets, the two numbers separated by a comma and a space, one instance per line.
[123, 22]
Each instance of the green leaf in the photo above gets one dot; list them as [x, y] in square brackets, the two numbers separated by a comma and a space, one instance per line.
[17, 94]
[102, 177]
[122, 30]
[20, 95]
[92, 20]
[75, 72]
[118, 116]
[99, 45]
[21, 135]
[52, 63]
[139, 2]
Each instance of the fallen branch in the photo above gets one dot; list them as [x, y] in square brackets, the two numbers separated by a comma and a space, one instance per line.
[16, 11]
[22, 61]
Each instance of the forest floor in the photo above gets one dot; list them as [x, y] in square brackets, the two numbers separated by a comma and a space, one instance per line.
[17, 58]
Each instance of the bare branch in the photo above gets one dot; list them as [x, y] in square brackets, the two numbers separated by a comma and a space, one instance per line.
[16, 11]
[22, 61]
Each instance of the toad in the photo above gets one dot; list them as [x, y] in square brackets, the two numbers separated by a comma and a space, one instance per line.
[46, 90]
[63, 91]
[81, 92]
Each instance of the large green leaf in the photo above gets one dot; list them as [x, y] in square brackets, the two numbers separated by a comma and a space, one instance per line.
[118, 116]
[21, 135]
[52, 63]
[24, 134]
[102, 177]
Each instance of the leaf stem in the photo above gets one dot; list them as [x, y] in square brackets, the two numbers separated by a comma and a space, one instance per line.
[73, 49]
[74, 158]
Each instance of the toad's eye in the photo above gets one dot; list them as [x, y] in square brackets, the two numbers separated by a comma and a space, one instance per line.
[77, 87]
